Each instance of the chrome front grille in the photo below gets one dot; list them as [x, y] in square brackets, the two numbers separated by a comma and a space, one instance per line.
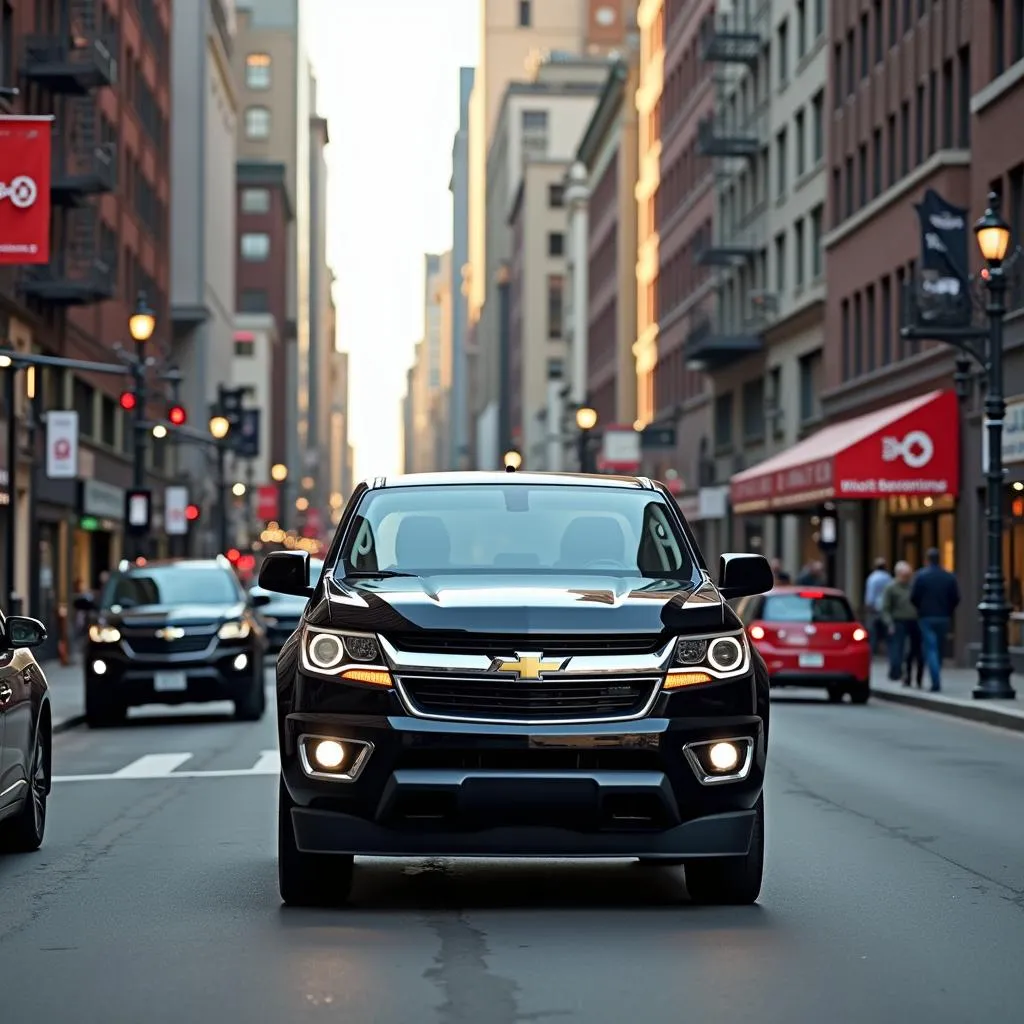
[561, 699]
[559, 645]
[145, 642]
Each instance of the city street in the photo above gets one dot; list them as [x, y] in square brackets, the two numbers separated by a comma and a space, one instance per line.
[895, 891]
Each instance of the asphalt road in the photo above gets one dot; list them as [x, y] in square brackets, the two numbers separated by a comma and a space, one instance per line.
[894, 892]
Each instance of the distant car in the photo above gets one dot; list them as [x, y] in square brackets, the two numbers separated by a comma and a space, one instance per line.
[810, 637]
[173, 632]
[281, 613]
[25, 734]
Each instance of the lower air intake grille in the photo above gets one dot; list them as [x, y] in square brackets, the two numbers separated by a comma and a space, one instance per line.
[562, 700]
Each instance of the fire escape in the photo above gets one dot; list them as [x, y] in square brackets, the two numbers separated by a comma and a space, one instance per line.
[735, 137]
[71, 61]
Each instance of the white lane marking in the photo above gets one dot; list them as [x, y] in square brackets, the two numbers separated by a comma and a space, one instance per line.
[152, 766]
[162, 766]
[268, 764]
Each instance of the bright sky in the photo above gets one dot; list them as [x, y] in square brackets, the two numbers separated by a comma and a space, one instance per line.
[388, 78]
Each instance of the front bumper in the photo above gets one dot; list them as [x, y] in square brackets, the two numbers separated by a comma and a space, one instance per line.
[434, 788]
[225, 673]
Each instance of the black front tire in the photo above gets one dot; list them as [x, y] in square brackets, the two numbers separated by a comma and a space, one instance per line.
[252, 706]
[102, 708]
[308, 879]
[730, 881]
[860, 694]
[24, 832]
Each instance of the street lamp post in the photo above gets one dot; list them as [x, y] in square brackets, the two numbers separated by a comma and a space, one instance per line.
[220, 426]
[141, 325]
[994, 666]
[586, 420]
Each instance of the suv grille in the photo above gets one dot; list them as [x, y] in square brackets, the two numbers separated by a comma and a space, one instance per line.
[564, 699]
[147, 643]
[552, 646]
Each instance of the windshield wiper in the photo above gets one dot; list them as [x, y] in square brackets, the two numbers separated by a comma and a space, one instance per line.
[376, 574]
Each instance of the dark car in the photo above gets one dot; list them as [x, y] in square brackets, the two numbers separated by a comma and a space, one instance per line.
[281, 613]
[25, 734]
[173, 632]
[510, 665]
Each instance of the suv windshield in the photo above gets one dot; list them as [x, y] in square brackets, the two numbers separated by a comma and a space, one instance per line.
[538, 529]
[806, 608]
[171, 585]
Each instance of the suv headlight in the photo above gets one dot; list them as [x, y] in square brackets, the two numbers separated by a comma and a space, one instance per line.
[335, 654]
[234, 630]
[104, 634]
[705, 659]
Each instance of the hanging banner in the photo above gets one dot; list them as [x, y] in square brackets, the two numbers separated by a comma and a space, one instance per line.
[25, 155]
[62, 444]
[943, 287]
[175, 505]
[247, 436]
[267, 503]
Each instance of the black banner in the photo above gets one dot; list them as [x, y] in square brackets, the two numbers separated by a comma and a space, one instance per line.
[943, 286]
[247, 439]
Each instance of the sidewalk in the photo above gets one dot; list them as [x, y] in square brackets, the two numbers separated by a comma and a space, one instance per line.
[67, 694]
[955, 698]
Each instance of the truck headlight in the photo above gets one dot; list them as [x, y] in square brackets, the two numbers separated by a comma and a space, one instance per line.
[104, 634]
[340, 655]
[708, 658]
[234, 630]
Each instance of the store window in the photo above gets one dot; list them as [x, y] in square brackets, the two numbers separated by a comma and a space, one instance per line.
[257, 70]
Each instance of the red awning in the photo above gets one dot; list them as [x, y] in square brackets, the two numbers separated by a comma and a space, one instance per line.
[912, 448]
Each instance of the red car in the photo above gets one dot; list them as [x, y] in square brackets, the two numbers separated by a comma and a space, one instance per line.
[810, 637]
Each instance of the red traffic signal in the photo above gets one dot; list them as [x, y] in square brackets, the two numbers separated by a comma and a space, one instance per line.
[191, 513]
[177, 415]
[128, 400]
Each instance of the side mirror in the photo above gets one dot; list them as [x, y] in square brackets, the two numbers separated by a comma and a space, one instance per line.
[21, 631]
[259, 600]
[744, 576]
[84, 603]
[286, 572]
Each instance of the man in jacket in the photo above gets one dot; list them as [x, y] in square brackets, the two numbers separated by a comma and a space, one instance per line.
[900, 619]
[935, 594]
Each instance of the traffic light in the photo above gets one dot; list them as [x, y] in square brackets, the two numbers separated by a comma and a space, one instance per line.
[128, 400]
[191, 513]
[177, 416]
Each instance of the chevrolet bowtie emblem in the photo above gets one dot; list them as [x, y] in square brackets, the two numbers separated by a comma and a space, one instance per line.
[528, 666]
[170, 633]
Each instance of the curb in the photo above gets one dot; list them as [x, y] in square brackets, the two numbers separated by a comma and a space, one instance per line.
[66, 724]
[979, 711]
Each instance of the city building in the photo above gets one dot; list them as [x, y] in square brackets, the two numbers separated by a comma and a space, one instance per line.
[110, 239]
[539, 121]
[272, 74]
[459, 455]
[203, 235]
[340, 472]
[760, 338]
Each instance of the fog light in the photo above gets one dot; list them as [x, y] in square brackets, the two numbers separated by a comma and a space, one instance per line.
[240, 662]
[99, 667]
[329, 754]
[723, 757]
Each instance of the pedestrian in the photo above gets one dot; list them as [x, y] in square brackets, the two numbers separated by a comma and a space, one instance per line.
[935, 594]
[898, 617]
[874, 587]
[813, 575]
[781, 576]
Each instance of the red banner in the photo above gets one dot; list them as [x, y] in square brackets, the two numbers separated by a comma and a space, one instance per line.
[266, 503]
[25, 152]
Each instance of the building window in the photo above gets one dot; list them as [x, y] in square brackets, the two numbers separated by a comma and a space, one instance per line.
[1017, 35]
[753, 410]
[818, 126]
[254, 300]
[780, 162]
[890, 150]
[801, 143]
[7, 69]
[894, 22]
[525, 19]
[862, 176]
[871, 314]
[919, 126]
[904, 139]
[799, 258]
[876, 15]
[556, 369]
[783, 52]
[535, 133]
[851, 65]
[801, 28]
[84, 396]
[257, 123]
[886, 320]
[865, 47]
[809, 367]
[556, 196]
[876, 163]
[556, 304]
[948, 100]
[964, 102]
[780, 263]
[837, 75]
[556, 243]
[108, 421]
[933, 113]
[819, 18]
[847, 346]
[858, 336]
[257, 71]
[817, 241]
[723, 421]
[255, 246]
[997, 19]
[848, 197]
[255, 200]
[245, 346]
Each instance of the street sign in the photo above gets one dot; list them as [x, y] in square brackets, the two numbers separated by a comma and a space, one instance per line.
[267, 503]
[138, 509]
[175, 504]
[247, 437]
[62, 444]
[658, 436]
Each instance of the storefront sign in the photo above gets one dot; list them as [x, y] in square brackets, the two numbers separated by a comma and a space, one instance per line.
[1013, 434]
[175, 506]
[909, 449]
[102, 501]
[61, 443]
[25, 146]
